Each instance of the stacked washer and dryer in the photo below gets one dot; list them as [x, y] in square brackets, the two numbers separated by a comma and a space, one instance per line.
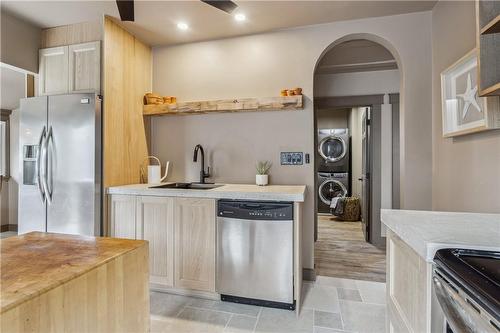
[333, 166]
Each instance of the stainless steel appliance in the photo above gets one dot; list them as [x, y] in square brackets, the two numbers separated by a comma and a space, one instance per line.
[255, 252]
[60, 143]
[467, 286]
[333, 150]
[331, 185]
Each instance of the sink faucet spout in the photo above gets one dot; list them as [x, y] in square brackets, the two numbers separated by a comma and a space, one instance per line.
[203, 174]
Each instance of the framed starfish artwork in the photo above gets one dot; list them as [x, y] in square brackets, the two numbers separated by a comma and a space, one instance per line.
[464, 111]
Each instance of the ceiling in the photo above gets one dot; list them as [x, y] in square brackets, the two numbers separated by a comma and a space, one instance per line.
[155, 21]
[359, 55]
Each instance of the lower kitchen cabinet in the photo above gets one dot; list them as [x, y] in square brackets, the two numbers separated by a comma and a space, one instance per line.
[411, 303]
[195, 244]
[155, 223]
[181, 236]
[122, 216]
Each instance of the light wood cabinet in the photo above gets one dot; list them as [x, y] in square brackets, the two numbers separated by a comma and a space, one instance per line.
[411, 303]
[85, 67]
[155, 223]
[195, 244]
[181, 226]
[70, 69]
[53, 70]
[122, 216]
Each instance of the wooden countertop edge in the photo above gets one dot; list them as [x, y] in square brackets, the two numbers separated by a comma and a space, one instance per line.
[27, 297]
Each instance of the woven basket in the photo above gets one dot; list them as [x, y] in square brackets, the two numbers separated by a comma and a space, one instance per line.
[352, 209]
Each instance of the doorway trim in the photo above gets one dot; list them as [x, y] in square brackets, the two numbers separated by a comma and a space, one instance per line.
[348, 101]
[375, 102]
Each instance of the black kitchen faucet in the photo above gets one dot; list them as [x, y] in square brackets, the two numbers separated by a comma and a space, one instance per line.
[203, 174]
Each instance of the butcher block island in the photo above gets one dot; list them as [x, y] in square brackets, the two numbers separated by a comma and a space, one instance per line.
[68, 283]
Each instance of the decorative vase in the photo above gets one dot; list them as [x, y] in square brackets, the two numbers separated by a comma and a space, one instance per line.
[261, 180]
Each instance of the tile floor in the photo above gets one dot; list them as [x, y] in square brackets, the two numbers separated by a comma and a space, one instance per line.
[6, 234]
[330, 305]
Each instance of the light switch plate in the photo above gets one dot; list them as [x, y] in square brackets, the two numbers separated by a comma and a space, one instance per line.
[292, 158]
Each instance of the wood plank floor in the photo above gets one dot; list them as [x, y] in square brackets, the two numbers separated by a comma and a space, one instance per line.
[341, 251]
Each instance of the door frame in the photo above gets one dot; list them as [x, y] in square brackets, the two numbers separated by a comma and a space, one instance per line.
[375, 102]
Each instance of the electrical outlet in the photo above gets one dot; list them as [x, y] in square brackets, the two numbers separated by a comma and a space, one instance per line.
[296, 158]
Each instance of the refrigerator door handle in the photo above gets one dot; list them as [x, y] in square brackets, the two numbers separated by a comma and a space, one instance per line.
[41, 143]
[48, 191]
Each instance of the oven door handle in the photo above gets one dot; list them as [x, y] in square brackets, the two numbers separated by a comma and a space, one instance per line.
[460, 315]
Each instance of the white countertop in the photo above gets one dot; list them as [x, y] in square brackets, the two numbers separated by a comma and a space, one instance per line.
[426, 232]
[295, 193]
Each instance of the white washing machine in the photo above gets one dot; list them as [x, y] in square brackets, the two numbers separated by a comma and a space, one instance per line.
[333, 150]
[331, 185]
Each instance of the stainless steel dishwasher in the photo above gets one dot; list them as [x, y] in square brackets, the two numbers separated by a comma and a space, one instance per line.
[255, 252]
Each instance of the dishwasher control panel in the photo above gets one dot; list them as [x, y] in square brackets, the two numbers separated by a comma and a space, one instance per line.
[255, 210]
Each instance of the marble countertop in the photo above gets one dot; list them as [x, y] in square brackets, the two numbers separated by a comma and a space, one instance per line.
[295, 193]
[36, 262]
[426, 231]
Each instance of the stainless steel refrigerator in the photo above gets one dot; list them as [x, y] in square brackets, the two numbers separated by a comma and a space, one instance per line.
[60, 143]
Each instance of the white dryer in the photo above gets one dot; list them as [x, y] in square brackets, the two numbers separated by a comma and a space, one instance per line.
[331, 185]
[333, 150]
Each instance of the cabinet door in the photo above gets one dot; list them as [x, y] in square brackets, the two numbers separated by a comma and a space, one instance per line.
[195, 244]
[85, 67]
[122, 216]
[155, 223]
[53, 78]
[408, 292]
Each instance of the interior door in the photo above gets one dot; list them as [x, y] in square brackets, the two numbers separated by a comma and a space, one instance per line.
[71, 172]
[365, 172]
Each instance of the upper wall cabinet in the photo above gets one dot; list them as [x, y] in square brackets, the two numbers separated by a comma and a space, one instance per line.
[70, 69]
[488, 43]
[53, 73]
[85, 67]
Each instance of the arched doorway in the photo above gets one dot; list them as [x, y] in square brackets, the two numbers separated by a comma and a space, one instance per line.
[357, 127]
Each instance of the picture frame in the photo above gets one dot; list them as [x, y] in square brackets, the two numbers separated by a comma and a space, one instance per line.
[463, 111]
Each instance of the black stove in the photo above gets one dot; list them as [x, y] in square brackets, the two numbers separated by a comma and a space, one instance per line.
[467, 286]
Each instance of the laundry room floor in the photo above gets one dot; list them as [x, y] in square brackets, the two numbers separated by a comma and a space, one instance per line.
[341, 251]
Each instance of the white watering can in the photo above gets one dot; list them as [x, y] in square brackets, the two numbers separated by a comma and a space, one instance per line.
[154, 171]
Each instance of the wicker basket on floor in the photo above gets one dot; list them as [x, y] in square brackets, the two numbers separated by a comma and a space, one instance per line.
[352, 209]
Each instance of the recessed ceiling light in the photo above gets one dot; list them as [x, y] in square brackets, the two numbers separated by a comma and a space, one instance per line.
[182, 26]
[240, 17]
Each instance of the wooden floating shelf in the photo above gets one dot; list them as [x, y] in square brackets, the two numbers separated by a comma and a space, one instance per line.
[493, 90]
[283, 103]
[492, 27]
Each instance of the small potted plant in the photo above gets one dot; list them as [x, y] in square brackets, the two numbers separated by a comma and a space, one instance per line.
[262, 177]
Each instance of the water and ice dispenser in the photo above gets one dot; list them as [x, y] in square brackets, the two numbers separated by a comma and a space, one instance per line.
[30, 155]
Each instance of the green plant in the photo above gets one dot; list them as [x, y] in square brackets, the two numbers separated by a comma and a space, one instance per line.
[263, 167]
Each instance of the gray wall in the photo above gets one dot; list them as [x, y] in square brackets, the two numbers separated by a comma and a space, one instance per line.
[261, 65]
[466, 170]
[332, 118]
[19, 43]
